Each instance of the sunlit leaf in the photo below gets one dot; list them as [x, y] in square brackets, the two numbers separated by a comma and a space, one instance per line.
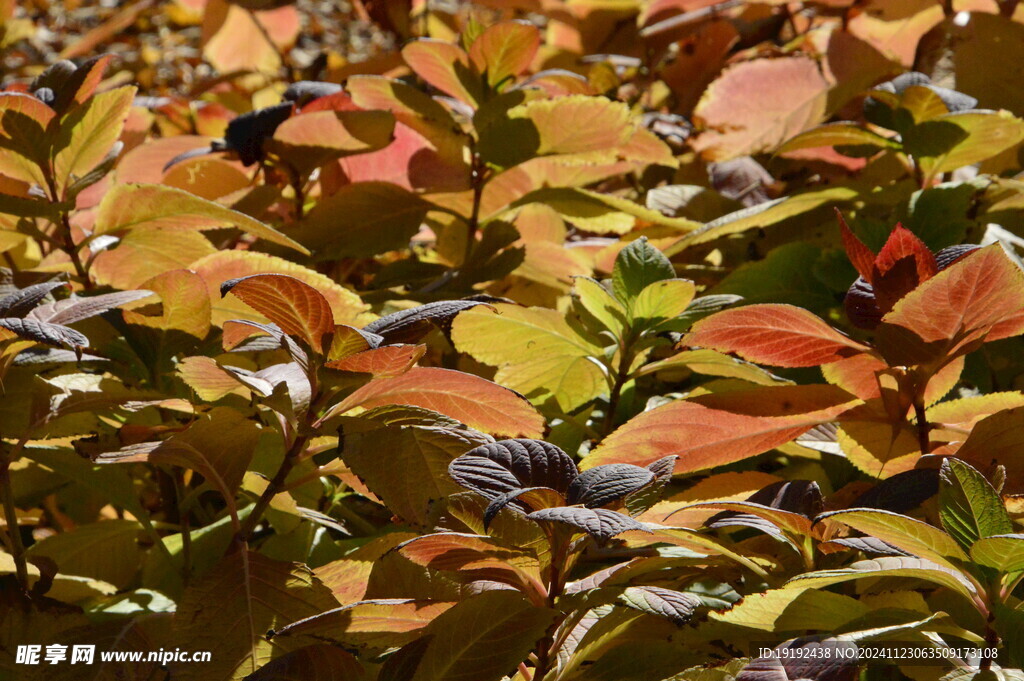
[295, 306]
[779, 335]
[128, 207]
[537, 353]
[969, 507]
[741, 117]
[705, 435]
[470, 399]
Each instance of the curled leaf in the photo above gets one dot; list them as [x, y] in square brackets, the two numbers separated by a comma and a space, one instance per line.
[599, 523]
[602, 485]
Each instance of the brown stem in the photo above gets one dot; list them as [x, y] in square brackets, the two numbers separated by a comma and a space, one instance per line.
[1008, 7]
[296, 182]
[923, 427]
[478, 180]
[11, 517]
[68, 245]
[621, 378]
[274, 487]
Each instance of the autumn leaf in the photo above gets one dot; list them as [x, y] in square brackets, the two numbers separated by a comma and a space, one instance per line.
[470, 399]
[740, 116]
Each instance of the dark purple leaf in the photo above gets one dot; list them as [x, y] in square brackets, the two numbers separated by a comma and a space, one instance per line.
[676, 606]
[870, 545]
[42, 332]
[410, 326]
[837, 663]
[948, 256]
[22, 301]
[861, 306]
[599, 523]
[644, 498]
[531, 463]
[902, 492]
[245, 135]
[71, 310]
[604, 484]
[796, 496]
[479, 474]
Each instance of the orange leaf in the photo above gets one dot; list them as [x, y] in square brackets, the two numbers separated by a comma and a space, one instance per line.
[778, 335]
[298, 308]
[998, 440]
[185, 305]
[707, 436]
[476, 557]
[445, 66]
[757, 105]
[980, 298]
[386, 362]
[504, 50]
[475, 401]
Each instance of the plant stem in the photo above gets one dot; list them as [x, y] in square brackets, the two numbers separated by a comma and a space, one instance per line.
[11, 517]
[275, 486]
[923, 427]
[68, 246]
[621, 378]
[477, 180]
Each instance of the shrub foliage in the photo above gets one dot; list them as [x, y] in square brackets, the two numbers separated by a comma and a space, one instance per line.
[564, 340]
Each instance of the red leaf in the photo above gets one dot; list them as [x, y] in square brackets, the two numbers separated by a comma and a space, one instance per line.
[298, 308]
[859, 254]
[980, 298]
[778, 335]
[385, 362]
[902, 264]
[726, 427]
[475, 401]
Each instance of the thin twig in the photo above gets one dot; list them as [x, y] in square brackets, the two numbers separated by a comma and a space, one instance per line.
[11, 517]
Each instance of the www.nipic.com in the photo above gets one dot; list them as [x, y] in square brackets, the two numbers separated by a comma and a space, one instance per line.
[86, 654]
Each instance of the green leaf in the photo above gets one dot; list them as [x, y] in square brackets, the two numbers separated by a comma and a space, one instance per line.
[887, 566]
[412, 478]
[1004, 552]
[89, 132]
[105, 550]
[785, 275]
[232, 608]
[638, 266]
[482, 638]
[662, 300]
[536, 351]
[311, 663]
[955, 140]
[842, 133]
[903, 532]
[784, 610]
[601, 213]
[602, 305]
[970, 508]
[363, 219]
